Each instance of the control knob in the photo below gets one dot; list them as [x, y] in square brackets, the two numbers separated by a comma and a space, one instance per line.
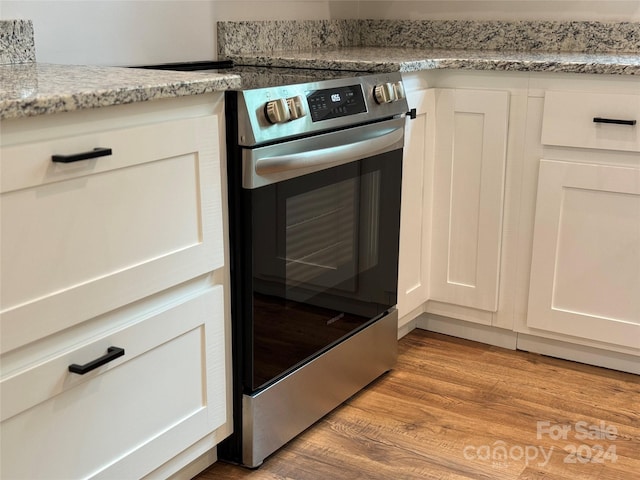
[296, 107]
[399, 90]
[277, 111]
[384, 93]
[388, 92]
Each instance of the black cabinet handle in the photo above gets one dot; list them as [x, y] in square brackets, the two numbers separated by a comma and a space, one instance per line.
[614, 121]
[76, 157]
[112, 354]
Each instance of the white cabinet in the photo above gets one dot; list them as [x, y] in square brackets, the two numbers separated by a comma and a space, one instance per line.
[83, 238]
[468, 197]
[528, 213]
[585, 261]
[123, 419]
[605, 121]
[585, 268]
[462, 174]
[127, 251]
[413, 265]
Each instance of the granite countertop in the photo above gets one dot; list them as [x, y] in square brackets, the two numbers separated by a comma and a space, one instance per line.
[589, 47]
[30, 89]
[410, 59]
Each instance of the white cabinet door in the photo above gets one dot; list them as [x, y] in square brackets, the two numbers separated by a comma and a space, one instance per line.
[468, 194]
[585, 273]
[413, 262]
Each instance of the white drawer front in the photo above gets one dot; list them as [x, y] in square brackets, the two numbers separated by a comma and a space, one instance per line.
[569, 120]
[81, 239]
[124, 418]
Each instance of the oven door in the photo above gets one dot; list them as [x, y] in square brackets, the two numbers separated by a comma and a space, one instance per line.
[321, 246]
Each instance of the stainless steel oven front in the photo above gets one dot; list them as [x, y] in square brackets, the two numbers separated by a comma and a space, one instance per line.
[314, 196]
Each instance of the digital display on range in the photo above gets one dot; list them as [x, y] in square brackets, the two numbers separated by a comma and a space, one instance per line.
[336, 102]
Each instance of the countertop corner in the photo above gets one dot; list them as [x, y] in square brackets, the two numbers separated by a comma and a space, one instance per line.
[31, 89]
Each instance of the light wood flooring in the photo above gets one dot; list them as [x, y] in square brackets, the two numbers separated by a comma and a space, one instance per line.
[455, 409]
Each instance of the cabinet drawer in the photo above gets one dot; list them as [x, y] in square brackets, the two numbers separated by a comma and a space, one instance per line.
[592, 120]
[120, 420]
[80, 239]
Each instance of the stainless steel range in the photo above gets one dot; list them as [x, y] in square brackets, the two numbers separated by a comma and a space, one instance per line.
[314, 196]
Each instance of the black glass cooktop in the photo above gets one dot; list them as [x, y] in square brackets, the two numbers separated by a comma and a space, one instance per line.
[258, 77]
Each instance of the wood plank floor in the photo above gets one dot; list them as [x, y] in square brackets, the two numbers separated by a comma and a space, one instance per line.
[455, 409]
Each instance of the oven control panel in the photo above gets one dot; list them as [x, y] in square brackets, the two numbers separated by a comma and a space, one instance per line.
[277, 113]
[330, 103]
[336, 102]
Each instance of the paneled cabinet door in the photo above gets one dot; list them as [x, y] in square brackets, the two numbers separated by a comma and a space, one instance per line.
[413, 262]
[585, 273]
[468, 197]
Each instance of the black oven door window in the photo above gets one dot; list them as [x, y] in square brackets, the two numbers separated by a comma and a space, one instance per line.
[325, 259]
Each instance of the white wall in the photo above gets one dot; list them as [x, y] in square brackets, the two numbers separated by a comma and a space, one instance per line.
[116, 32]
[285, 9]
[136, 32]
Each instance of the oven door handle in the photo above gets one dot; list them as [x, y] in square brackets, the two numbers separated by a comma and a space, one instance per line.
[336, 155]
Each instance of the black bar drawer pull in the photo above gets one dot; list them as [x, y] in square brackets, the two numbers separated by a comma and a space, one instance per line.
[614, 121]
[112, 354]
[76, 157]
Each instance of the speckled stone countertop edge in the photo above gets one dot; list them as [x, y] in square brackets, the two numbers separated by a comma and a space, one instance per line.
[531, 65]
[40, 89]
[381, 59]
